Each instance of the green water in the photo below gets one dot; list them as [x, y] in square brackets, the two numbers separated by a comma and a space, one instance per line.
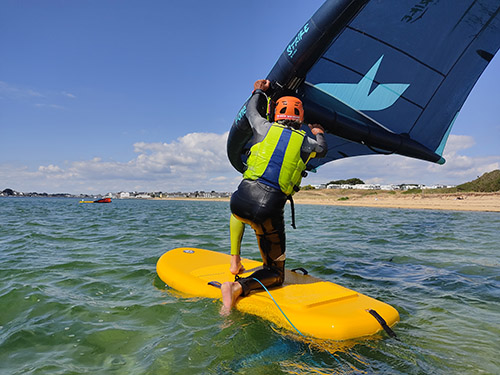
[79, 292]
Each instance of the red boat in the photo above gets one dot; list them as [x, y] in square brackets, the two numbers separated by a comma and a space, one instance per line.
[103, 200]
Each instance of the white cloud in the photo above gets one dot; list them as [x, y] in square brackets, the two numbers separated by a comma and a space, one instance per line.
[53, 106]
[50, 169]
[68, 95]
[458, 142]
[8, 91]
[45, 99]
[203, 152]
[196, 161]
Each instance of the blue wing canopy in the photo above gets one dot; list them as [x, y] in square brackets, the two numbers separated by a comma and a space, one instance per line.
[387, 76]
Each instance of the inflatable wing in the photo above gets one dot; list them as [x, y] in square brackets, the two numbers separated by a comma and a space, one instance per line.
[383, 76]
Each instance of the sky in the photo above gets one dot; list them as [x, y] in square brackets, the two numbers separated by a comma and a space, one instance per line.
[108, 96]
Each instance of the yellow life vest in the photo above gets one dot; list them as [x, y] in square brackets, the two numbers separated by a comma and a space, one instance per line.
[276, 161]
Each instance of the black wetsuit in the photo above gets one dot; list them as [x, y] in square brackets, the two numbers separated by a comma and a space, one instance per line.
[262, 207]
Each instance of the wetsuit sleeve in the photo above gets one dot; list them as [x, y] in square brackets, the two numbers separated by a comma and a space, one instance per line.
[322, 146]
[259, 124]
[318, 145]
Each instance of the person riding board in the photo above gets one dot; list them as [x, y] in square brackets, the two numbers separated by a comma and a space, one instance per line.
[275, 167]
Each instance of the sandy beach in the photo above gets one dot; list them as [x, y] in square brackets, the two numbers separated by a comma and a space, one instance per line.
[433, 201]
[488, 202]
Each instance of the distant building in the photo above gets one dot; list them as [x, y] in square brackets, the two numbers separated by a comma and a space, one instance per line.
[411, 186]
[378, 186]
[123, 195]
[143, 196]
[367, 186]
[389, 187]
[438, 186]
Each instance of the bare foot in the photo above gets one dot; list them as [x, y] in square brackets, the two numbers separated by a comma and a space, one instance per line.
[236, 267]
[230, 293]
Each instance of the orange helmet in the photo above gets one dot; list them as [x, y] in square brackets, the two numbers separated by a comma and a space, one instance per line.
[289, 108]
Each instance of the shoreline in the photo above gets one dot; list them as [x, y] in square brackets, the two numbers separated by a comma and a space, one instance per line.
[483, 202]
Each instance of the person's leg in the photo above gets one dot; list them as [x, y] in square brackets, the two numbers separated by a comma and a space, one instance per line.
[272, 242]
[255, 203]
[272, 245]
[236, 228]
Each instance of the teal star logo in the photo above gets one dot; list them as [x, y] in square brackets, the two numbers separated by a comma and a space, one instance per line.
[358, 95]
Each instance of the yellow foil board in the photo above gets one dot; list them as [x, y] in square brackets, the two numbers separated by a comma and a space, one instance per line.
[316, 307]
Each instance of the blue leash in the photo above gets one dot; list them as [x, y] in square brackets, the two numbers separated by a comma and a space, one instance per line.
[278, 306]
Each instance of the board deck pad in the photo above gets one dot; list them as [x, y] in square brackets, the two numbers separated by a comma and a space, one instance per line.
[316, 307]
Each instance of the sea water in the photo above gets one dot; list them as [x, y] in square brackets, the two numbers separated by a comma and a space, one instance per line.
[79, 292]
